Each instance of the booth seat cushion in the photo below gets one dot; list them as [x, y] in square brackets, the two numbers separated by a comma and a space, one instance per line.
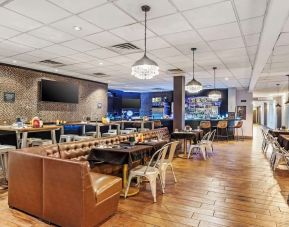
[105, 168]
[105, 186]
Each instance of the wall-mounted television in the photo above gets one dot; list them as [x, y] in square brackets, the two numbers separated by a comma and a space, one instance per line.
[130, 103]
[56, 91]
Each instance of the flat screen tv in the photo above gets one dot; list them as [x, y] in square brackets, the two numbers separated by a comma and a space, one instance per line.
[55, 91]
[130, 103]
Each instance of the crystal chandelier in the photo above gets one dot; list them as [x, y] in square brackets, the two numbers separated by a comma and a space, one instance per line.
[145, 68]
[194, 86]
[215, 95]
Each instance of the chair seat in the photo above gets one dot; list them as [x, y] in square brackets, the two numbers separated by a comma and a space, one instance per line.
[140, 170]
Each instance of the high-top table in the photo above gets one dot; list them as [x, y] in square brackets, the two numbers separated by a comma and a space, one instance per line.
[25, 130]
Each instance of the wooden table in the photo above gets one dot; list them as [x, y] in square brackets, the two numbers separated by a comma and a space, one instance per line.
[186, 136]
[283, 140]
[141, 123]
[123, 155]
[25, 131]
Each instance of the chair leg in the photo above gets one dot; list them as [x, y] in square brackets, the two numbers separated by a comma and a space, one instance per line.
[162, 181]
[172, 168]
[153, 185]
[242, 133]
[127, 186]
[189, 152]
[202, 148]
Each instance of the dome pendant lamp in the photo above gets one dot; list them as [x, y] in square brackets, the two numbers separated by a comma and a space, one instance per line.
[145, 68]
[193, 86]
[215, 95]
[278, 104]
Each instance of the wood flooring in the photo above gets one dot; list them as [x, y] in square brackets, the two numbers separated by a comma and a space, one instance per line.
[234, 187]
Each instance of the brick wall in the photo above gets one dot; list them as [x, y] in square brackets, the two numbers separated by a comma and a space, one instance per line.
[26, 85]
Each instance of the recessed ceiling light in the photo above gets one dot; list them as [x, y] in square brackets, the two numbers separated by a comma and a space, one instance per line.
[100, 63]
[14, 61]
[77, 28]
[56, 70]
[226, 78]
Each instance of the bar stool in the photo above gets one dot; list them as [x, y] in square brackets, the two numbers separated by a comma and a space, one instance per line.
[237, 127]
[4, 149]
[66, 138]
[205, 126]
[220, 127]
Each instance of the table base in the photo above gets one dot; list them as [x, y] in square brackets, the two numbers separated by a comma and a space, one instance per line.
[131, 191]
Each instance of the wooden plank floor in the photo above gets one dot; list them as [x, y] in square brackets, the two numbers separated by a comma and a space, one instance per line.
[235, 187]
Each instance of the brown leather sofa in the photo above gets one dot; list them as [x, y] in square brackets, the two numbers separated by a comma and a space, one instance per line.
[56, 184]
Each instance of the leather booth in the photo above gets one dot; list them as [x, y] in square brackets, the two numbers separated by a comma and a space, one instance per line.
[55, 182]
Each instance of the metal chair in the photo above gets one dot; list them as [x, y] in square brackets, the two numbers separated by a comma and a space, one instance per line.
[150, 171]
[200, 146]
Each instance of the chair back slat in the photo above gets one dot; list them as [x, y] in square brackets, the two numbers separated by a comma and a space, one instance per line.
[158, 156]
[173, 146]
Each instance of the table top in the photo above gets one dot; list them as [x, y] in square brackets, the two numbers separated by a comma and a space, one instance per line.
[30, 129]
[123, 148]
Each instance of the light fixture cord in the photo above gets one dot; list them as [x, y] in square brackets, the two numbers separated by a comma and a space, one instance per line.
[193, 64]
[145, 33]
[214, 78]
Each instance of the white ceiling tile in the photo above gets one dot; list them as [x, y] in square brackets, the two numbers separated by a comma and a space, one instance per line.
[281, 50]
[80, 45]
[107, 17]
[16, 21]
[248, 8]
[132, 32]
[252, 40]
[220, 32]
[158, 8]
[68, 24]
[120, 60]
[10, 48]
[166, 52]
[31, 41]
[102, 53]
[186, 49]
[105, 39]
[185, 4]
[283, 39]
[59, 50]
[231, 53]
[77, 6]
[220, 13]
[182, 37]
[26, 58]
[82, 57]
[40, 10]
[65, 60]
[168, 24]
[152, 43]
[6, 33]
[286, 26]
[42, 55]
[51, 34]
[252, 26]
[227, 43]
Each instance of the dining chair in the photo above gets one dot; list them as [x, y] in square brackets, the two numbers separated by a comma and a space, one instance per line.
[279, 155]
[168, 162]
[200, 146]
[150, 171]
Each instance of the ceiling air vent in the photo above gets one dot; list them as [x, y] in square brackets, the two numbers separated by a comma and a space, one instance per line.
[125, 48]
[100, 75]
[175, 71]
[52, 63]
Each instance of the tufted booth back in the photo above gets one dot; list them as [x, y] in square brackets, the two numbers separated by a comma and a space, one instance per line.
[78, 151]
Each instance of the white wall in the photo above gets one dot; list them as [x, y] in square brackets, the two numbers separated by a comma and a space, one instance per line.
[248, 123]
[232, 94]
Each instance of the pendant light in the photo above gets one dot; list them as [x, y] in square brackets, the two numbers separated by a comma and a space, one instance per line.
[193, 86]
[145, 68]
[215, 95]
[287, 102]
[278, 105]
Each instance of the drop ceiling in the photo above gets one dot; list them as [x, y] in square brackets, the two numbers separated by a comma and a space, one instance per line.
[226, 33]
